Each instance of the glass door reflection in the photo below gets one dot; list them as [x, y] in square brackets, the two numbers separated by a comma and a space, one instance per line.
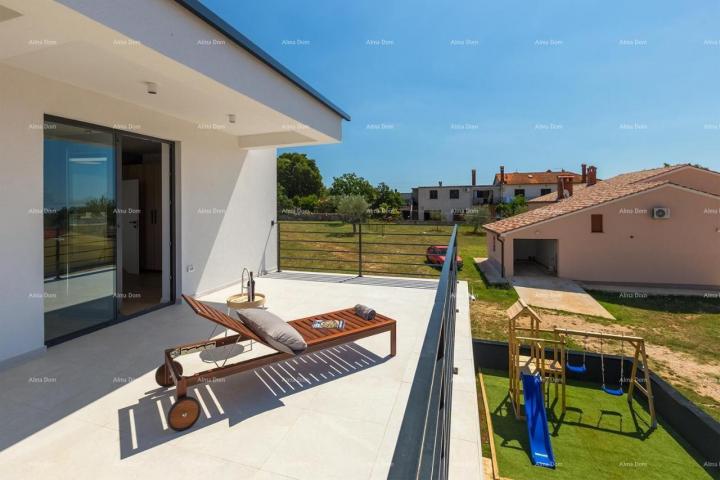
[79, 229]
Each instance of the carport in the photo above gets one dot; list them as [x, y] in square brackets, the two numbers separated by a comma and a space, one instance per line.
[535, 256]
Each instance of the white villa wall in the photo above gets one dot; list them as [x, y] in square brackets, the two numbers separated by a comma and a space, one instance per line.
[156, 24]
[236, 186]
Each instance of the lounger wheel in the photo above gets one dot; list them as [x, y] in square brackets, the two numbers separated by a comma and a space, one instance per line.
[162, 375]
[183, 414]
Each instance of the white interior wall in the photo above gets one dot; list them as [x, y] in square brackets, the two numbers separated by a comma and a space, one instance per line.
[227, 197]
[545, 253]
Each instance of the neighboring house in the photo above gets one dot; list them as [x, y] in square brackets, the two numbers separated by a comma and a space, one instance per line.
[531, 184]
[659, 226]
[139, 160]
[450, 202]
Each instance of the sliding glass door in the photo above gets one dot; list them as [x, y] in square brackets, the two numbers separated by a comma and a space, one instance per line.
[107, 227]
[144, 219]
[79, 229]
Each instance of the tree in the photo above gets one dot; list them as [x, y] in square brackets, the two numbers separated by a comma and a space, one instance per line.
[517, 205]
[308, 202]
[477, 217]
[384, 195]
[352, 184]
[353, 207]
[299, 175]
[283, 202]
[327, 204]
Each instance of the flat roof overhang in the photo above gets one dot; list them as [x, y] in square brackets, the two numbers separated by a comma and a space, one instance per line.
[202, 74]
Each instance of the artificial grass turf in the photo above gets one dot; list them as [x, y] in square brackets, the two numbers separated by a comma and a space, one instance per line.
[598, 438]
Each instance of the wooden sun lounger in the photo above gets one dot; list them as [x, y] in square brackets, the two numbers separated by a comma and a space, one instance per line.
[186, 410]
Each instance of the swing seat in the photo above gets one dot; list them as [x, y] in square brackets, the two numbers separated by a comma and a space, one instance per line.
[613, 391]
[576, 368]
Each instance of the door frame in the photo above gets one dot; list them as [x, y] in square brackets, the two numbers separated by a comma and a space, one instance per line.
[117, 135]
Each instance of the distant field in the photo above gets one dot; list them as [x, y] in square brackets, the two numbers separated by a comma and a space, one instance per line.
[78, 251]
[309, 246]
[387, 249]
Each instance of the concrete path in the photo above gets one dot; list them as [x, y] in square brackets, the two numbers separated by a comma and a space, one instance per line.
[492, 275]
[558, 294]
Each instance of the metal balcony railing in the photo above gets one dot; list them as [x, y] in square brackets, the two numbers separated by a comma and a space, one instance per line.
[422, 449]
[397, 249]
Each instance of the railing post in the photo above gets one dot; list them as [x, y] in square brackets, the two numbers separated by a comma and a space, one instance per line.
[360, 271]
[278, 245]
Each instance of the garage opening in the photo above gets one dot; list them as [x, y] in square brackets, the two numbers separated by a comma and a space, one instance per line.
[535, 257]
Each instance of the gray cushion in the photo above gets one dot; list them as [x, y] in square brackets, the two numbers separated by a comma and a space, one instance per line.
[273, 329]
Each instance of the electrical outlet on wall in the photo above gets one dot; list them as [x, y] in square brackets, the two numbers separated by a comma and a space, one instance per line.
[190, 268]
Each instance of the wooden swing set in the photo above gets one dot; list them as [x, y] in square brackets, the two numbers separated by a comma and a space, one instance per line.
[549, 358]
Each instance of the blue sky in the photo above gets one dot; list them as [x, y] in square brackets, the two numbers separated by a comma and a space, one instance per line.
[532, 85]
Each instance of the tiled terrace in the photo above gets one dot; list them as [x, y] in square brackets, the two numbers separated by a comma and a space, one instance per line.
[90, 408]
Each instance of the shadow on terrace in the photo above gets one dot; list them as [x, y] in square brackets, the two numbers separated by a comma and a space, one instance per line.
[239, 397]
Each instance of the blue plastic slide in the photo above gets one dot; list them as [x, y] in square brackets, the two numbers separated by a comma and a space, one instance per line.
[540, 448]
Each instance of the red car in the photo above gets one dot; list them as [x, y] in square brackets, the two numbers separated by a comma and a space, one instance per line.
[436, 255]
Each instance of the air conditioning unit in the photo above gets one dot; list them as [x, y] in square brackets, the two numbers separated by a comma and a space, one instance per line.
[661, 213]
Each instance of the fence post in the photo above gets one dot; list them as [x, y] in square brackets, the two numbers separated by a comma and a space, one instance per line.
[360, 272]
[278, 245]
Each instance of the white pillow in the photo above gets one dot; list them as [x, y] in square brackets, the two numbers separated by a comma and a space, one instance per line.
[273, 329]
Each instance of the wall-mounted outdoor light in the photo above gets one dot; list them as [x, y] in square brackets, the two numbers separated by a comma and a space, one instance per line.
[151, 88]
[231, 118]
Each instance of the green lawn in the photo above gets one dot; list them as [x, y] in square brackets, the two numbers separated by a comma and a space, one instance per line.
[600, 436]
[683, 324]
[333, 247]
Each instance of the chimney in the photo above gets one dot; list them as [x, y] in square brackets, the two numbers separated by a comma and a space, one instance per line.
[502, 175]
[565, 184]
[473, 176]
[584, 173]
[591, 175]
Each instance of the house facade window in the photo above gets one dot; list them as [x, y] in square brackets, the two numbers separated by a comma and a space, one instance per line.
[545, 191]
[519, 192]
[433, 194]
[596, 223]
[454, 193]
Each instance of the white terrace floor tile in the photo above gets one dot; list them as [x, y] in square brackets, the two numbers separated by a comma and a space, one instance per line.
[327, 446]
[332, 414]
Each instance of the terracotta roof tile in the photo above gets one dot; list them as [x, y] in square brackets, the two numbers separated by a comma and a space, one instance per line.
[534, 178]
[552, 196]
[584, 197]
